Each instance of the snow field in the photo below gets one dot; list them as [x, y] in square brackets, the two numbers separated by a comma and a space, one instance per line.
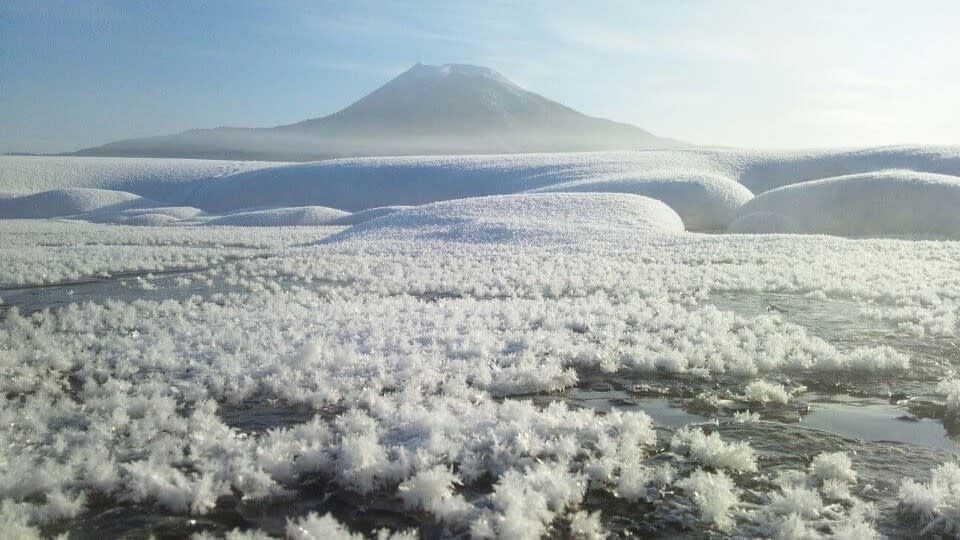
[706, 187]
[416, 337]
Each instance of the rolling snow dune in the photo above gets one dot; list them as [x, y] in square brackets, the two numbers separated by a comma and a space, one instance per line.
[67, 202]
[893, 202]
[159, 215]
[366, 215]
[764, 171]
[521, 219]
[706, 192]
[363, 183]
[282, 217]
[704, 202]
[704, 185]
[161, 179]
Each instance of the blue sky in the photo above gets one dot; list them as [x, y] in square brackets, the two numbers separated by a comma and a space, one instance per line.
[76, 73]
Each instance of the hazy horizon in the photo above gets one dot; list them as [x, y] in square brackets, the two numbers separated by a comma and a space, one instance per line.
[745, 74]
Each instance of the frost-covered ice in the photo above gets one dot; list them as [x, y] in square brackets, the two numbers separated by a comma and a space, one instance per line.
[48, 252]
[408, 392]
[763, 392]
[413, 368]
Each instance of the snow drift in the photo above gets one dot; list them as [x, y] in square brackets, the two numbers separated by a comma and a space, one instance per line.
[149, 216]
[165, 180]
[704, 186]
[364, 183]
[282, 217]
[764, 171]
[894, 202]
[521, 219]
[366, 215]
[67, 202]
[704, 201]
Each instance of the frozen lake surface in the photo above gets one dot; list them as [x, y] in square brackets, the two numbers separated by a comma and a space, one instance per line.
[891, 424]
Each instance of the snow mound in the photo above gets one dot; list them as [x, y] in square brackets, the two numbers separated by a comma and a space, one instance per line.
[366, 215]
[700, 184]
[704, 201]
[282, 217]
[162, 179]
[525, 218]
[891, 202]
[149, 216]
[153, 219]
[764, 171]
[362, 183]
[67, 202]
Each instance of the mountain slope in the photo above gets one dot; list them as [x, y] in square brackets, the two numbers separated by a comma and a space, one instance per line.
[450, 109]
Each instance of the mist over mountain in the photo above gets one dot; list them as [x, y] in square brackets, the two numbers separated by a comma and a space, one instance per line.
[449, 109]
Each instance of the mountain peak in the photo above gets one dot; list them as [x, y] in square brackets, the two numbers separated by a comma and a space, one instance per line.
[445, 109]
[454, 70]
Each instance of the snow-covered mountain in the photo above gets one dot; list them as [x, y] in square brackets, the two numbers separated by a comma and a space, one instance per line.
[450, 109]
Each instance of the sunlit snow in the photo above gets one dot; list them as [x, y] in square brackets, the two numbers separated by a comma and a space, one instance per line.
[485, 346]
